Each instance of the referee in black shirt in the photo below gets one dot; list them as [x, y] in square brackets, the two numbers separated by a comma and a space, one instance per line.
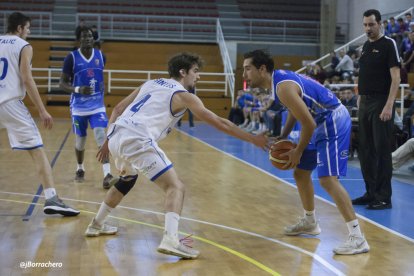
[379, 78]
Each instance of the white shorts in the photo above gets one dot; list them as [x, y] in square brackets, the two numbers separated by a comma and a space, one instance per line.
[133, 154]
[21, 128]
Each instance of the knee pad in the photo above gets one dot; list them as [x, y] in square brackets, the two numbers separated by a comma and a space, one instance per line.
[100, 136]
[80, 143]
[125, 183]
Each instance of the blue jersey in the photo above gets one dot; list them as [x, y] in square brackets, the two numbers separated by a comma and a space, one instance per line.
[319, 100]
[86, 72]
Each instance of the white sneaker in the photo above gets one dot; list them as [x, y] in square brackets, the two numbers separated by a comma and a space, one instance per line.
[354, 245]
[95, 230]
[172, 246]
[303, 227]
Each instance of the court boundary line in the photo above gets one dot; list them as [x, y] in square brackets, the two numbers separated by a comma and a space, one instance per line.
[294, 186]
[207, 241]
[318, 258]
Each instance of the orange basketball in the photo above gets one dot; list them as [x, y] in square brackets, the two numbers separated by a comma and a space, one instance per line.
[277, 149]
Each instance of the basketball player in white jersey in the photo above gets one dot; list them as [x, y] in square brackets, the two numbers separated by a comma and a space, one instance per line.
[137, 123]
[15, 79]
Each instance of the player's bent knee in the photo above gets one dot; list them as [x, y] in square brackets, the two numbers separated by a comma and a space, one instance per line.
[126, 183]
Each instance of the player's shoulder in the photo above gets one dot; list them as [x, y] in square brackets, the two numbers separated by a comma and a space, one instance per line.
[281, 75]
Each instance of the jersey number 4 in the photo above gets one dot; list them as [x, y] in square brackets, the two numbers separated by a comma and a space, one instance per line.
[136, 107]
[5, 63]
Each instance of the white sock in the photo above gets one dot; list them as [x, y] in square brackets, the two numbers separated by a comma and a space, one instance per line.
[310, 216]
[171, 224]
[353, 228]
[106, 168]
[80, 167]
[49, 193]
[103, 212]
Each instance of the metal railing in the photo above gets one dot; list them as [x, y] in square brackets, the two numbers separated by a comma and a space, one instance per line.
[116, 80]
[228, 69]
[399, 102]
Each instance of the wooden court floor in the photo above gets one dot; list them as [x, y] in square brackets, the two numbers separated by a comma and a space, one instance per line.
[235, 212]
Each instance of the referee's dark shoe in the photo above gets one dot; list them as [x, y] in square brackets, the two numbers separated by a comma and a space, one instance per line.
[362, 200]
[379, 205]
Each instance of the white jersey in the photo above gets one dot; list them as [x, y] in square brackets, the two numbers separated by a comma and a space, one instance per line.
[11, 85]
[150, 116]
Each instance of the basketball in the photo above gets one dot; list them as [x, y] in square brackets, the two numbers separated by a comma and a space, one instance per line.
[278, 148]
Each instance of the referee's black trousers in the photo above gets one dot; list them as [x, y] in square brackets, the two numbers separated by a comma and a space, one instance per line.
[375, 140]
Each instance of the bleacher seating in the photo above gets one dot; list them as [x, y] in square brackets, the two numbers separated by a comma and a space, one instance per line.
[203, 8]
[302, 10]
[28, 5]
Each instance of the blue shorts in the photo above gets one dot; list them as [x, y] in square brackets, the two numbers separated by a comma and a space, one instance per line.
[331, 140]
[80, 123]
[308, 161]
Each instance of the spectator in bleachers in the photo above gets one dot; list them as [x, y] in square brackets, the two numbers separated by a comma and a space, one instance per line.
[78, 29]
[355, 58]
[408, 55]
[236, 112]
[385, 27]
[318, 73]
[403, 28]
[411, 27]
[245, 101]
[406, 46]
[403, 154]
[266, 104]
[273, 118]
[334, 60]
[393, 30]
[408, 18]
[253, 111]
[349, 99]
[345, 67]
[408, 115]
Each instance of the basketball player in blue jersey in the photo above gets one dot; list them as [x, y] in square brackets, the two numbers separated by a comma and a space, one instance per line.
[82, 75]
[15, 81]
[323, 142]
[137, 123]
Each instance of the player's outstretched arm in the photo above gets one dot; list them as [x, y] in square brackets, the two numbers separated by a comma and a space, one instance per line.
[197, 107]
[29, 83]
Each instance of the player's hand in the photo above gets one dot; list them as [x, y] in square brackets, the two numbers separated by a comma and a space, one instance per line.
[261, 141]
[103, 153]
[46, 119]
[294, 158]
[273, 140]
[386, 113]
[86, 90]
